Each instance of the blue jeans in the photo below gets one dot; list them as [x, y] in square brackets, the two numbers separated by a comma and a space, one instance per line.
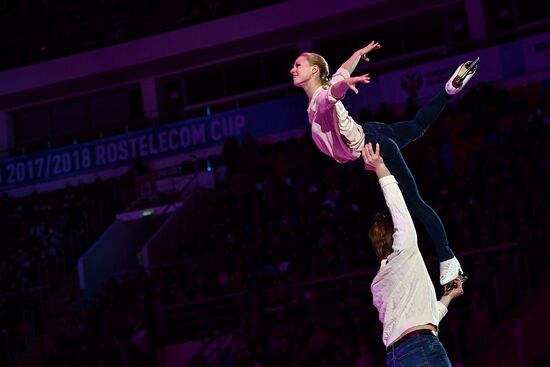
[394, 137]
[422, 351]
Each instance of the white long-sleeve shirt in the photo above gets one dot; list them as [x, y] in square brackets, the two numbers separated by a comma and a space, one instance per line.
[402, 289]
[325, 112]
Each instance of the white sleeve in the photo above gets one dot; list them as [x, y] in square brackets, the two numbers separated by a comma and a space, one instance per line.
[404, 232]
[442, 310]
[340, 75]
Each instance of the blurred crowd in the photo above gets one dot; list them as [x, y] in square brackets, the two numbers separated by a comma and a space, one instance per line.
[290, 231]
[41, 237]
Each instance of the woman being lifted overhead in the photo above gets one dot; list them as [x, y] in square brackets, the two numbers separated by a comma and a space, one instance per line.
[337, 135]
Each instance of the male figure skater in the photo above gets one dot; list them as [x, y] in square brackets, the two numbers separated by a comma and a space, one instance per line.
[402, 290]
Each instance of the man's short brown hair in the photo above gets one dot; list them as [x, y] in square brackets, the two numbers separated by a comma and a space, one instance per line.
[381, 235]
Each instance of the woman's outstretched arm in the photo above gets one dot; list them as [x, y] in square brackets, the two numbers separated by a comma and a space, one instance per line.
[352, 62]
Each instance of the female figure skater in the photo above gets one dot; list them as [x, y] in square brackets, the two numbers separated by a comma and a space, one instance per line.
[337, 135]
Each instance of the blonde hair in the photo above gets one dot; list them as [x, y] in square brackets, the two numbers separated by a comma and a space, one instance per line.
[381, 235]
[316, 59]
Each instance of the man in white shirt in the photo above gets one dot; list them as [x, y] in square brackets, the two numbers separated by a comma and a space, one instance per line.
[337, 135]
[402, 289]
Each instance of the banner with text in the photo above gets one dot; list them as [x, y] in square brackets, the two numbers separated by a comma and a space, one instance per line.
[260, 120]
